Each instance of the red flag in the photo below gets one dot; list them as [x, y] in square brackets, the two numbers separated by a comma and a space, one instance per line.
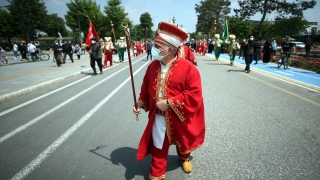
[91, 33]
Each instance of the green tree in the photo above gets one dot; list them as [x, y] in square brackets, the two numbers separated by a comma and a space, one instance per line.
[80, 13]
[54, 25]
[207, 12]
[282, 7]
[117, 15]
[146, 24]
[137, 33]
[291, 26]
[30, 15]
[239, 26]
[9, 28]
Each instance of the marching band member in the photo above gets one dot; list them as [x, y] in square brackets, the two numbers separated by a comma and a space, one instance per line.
[107, 48]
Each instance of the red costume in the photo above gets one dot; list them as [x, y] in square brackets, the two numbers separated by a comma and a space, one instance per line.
[204, 48]
[107, 52]
[186, 53]
[180, 84]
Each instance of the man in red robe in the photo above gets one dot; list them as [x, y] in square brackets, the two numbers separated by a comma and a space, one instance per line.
[172, 94]
[204, 47]
[186, 53]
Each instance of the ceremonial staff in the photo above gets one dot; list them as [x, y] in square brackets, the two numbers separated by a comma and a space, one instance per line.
[126, 30]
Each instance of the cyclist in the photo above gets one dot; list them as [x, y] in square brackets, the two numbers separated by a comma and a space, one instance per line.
[286, 48]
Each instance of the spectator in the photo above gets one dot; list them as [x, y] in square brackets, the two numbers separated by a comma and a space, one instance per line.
[95, 56]
[67, 50]
[77, 50]
[32, 50]
[15, 50]
[307, 48]
[274, 46]
[23, 50]
[267, 51]
[3, 56]
[257, 50]
[57, 53]
[149, 47]
[249, 47]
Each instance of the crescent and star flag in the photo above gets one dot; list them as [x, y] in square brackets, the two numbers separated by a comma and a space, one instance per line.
[91, 33]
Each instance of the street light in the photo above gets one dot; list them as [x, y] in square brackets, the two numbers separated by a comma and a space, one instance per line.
[153, 27]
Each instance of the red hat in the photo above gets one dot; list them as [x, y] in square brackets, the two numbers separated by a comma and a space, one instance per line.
[170, 35]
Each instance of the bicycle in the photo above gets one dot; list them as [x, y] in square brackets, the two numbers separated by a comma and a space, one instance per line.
[284, 61]
[42, 56]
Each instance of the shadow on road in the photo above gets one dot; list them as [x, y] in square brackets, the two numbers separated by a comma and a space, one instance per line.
[126, 156]
[233, 70]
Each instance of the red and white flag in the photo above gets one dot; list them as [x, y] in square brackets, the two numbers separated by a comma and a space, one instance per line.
[91, 33]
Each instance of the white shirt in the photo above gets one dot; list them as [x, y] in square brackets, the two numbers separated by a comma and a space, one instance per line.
[159, 125]
[31, 48]
[15, 47]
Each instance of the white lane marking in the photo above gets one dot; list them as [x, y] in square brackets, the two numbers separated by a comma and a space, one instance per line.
[49, 150]
[45, 95]
[305, 74]
[35, 120]
[284, 73]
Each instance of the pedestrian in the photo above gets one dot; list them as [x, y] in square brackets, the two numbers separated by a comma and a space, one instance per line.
[15, 50]
[257, 50]
[3, 56]
[67, 50]
[57, 48]
[274, 46]
[186, 53]
[149, 47]
[121, 46]
[234, 46]
[286, 48]
[241, 54]
[33, 51]
[267, 51]
[248, 52]
[107, 48]
[172, 94]
[307, 48]
[95, 55]
[23, 50]
[77, 50]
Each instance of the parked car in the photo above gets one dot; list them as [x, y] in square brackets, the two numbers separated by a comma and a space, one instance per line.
[299, 45]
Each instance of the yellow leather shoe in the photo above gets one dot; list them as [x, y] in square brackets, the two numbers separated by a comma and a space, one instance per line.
[186, 165]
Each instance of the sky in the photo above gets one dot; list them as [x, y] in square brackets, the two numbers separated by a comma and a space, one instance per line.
[162, 10]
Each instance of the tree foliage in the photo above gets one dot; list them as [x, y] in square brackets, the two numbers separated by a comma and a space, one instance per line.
[9, 28]
[54, 25]
[208, 12]
[117, 15]
[249, 8]
[80, 13]
[30, 15]
[291, 26]
[146, 25]
[240, 26]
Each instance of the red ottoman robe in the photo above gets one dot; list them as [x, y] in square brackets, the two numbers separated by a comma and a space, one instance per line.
[187, 54]
[185, 124]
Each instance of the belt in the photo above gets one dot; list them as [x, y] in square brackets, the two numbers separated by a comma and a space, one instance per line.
[162, 113]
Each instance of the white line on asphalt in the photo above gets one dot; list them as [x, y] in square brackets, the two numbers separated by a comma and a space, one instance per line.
[284, 73]
[49, 150]
[45, 95]
[23, 127]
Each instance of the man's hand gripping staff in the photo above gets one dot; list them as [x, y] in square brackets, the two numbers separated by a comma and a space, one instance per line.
[136, 107]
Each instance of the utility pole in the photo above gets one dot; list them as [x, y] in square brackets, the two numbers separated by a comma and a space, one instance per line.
[79, 31]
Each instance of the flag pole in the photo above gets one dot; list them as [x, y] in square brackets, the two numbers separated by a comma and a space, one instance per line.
[126, 30]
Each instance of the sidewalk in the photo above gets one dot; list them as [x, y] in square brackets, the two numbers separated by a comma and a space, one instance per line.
[297, 76]
[21, 77]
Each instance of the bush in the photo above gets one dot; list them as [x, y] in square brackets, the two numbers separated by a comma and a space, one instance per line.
[301, 62]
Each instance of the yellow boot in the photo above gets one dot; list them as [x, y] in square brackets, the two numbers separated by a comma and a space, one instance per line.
[186, 165]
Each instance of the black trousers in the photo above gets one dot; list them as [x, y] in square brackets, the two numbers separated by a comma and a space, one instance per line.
[248, 59]
[149, 53]
[93, 64]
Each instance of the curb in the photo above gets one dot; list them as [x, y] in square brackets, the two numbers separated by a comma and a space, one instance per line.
[39, 86]
[315, 88]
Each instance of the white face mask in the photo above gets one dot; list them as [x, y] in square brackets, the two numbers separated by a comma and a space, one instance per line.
[233, 40]
[93, 42]
[251, 39]
[244, 40]
[155, 53]
[57, 43]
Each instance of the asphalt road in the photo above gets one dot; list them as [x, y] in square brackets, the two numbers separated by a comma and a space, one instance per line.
[257, 127]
